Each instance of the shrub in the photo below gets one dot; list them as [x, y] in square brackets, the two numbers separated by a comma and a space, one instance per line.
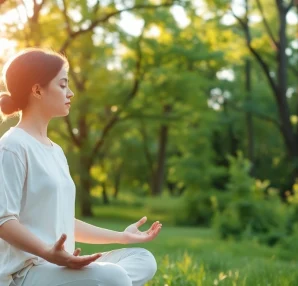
[254, 210]
[199, 207]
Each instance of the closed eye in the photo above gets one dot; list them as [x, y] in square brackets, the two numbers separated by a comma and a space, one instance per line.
[63, 86]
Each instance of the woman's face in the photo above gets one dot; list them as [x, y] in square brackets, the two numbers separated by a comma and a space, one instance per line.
[56, 96]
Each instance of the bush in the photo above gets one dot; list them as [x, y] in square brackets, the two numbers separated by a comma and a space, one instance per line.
[198, 208]
[254, 210]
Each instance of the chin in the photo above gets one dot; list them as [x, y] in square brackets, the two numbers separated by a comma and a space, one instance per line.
[62, 114]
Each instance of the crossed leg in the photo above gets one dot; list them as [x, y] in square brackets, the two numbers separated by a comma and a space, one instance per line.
[122, 267]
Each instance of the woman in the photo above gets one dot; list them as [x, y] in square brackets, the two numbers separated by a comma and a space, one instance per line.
[38, 229]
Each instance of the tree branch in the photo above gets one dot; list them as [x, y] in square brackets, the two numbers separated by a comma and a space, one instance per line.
[96, 6]
[64, 12]
[267, 27]
[78, 83]
[262, 63]
[131, 95]
[257, 114]
[70, 131]
[36, 10]
[291, 4]
[105, 18]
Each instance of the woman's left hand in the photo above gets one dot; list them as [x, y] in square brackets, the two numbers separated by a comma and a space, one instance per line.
[133, 235]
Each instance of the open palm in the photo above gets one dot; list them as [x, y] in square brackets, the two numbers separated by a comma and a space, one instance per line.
[132, 234]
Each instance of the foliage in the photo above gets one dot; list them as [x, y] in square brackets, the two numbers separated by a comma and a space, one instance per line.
[189, 80]
[254, 211]
[196, 256]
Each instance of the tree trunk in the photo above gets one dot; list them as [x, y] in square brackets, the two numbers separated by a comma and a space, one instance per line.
[158, 178]
[105, 197]
[281, 89]
[278, 86]
[234, 142]
[117, 180]
[289, 135]
[249, 118]
[85, 191]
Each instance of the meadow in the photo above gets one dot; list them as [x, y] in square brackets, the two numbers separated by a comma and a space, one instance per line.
[194, 256]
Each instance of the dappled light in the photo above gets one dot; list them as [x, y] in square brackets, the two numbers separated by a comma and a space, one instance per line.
[181, 111]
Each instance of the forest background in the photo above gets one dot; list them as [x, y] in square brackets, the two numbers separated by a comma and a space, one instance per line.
[185, 111]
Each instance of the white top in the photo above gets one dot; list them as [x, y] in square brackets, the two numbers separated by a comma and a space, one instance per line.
[36, 189]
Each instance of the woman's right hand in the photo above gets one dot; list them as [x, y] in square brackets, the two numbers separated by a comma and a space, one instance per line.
[58, 255]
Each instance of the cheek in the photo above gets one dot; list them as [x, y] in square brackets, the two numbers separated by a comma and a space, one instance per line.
[54, 98]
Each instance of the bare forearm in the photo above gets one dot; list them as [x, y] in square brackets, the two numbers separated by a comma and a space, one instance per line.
[17, 235]
[88, 233]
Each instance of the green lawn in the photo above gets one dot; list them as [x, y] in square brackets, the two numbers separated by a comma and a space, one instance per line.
[195, 256]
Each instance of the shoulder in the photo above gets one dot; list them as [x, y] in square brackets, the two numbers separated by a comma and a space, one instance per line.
[13, 142]
[11, 139]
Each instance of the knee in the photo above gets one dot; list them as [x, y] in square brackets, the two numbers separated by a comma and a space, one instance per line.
[114, 275]
[150, 265]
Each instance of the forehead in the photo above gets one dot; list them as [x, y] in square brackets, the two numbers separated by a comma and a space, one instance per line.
[62, 74]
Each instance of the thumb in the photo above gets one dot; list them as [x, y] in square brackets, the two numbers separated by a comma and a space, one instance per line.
[141, 221]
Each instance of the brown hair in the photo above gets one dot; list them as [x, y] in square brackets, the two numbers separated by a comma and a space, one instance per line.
[28, 67]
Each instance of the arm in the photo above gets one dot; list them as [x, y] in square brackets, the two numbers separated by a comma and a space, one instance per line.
[17, 235]
[12, 177]
[88, 233]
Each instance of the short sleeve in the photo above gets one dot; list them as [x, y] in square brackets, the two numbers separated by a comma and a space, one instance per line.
[12, 178]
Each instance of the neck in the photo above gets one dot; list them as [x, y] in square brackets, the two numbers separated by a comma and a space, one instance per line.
[36, 125]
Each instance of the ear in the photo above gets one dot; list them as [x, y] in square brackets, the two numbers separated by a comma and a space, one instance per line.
[36, 91]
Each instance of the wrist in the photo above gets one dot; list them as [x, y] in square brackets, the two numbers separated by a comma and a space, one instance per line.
[45, 252]
[124, 238]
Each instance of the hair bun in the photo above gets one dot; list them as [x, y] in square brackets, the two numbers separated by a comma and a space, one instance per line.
[7, 105]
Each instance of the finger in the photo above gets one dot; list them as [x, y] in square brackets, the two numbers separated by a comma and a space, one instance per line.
[141, 221]
[77, 252]
[60, 242]
[77, 262]
[81, 261]
[90, 261]
[153, 227]
[87, 258]
[158, 230]
[155, 232]
[156, 225]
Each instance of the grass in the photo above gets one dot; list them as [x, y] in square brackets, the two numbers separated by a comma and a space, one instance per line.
[195, 256]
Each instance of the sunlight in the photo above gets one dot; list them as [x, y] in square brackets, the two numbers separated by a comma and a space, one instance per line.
[7, 47]
[16, 17]
[131, 24]
[153, 32]
[13, 16]
[180, 16]
[226, 74]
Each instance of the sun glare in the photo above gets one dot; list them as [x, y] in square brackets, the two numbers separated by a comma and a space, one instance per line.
[17, 17]
[7, 47]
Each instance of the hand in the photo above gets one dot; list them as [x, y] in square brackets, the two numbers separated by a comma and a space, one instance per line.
[59, 256]
[132, 234]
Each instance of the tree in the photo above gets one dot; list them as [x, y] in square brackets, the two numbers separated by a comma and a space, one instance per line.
[74, 36]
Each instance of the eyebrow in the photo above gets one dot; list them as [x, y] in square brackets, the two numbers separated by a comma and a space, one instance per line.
[64, 78]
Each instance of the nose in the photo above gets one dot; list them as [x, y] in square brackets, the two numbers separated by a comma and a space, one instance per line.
[70, 93]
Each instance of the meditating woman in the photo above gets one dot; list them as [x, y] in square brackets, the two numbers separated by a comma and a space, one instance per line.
[38, 228]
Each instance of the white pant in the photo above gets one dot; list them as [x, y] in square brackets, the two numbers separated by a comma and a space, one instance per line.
[122, 267]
